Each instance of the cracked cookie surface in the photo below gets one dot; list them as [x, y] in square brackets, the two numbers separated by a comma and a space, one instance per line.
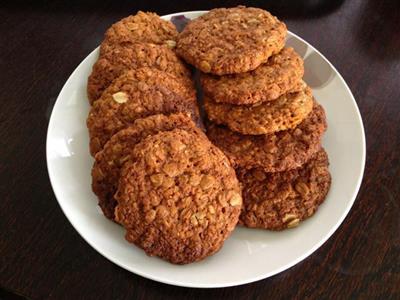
[179, 198]
[122, 58]
[283, 113]
[109, 161]
[231, 40]
[144, 27]
[137, 94]
[275, 152]
[281, 200]
[280, 74]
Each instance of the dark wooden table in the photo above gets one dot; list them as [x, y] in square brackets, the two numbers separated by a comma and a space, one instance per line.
[43, 257]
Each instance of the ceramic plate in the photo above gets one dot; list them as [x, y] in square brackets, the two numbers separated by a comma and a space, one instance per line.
[249, 254]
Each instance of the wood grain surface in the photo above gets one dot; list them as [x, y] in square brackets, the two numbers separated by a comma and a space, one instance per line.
[43, 257]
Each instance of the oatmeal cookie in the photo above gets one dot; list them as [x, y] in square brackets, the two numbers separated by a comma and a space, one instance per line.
[275, 152]
[179, 198]
[231, 40]
[280, 74]
[137, 94]
[113, 63]
[281, 200]
[284, 113]
[109, 161]
[144, 27]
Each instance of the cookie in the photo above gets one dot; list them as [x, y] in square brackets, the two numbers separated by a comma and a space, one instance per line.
[284, 113]
[280, 74]
[137, 94]
[231, 40]
[113, 63]
[109, 161]
[179, 198]
[281, 200]
[144, 27]
[275, 152]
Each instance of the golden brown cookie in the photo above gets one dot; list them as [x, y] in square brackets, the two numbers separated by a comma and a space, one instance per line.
[122, 58]
[144, 27]
[231, 40]
[281, 200]
[280, 74]
[109, 161]
[275, 152]
[284, 113]
[179, 198]
[133, 95]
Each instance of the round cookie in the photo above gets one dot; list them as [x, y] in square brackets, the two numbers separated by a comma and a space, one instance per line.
[109, 161]
[179, 198]
[284, 113]
[231, 40]
[137, 94]
[275, 152]
[113, 63]
[144, 27]
[280, 74]
[281, 200]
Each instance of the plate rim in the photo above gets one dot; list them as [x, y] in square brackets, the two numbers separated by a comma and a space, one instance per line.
[238, 282]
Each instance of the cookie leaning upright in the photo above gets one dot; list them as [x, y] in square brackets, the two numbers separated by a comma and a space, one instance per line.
[231, 40]
[179, 198]
[144, 27]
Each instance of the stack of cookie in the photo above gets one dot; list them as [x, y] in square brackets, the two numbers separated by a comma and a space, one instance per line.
[262, 115]
[137, 75]
[173, 191]
[158, 175]
[155, 172]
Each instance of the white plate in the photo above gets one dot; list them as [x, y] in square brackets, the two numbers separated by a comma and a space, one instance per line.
[249, 254]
